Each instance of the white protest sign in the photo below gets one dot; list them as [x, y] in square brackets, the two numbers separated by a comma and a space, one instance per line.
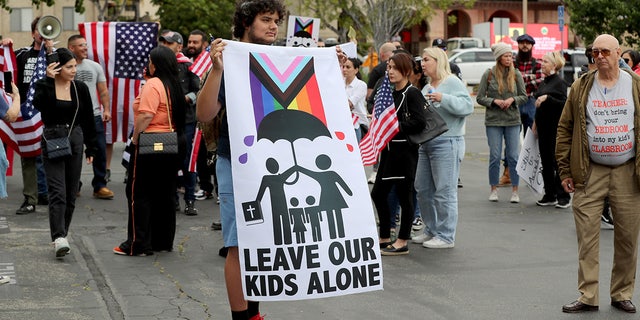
[306, 227]
[303, 32]
[529, 166]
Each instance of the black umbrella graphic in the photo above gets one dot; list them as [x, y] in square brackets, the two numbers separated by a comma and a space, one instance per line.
[291, 125]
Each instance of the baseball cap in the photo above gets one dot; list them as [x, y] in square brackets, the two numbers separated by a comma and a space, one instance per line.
[527, 38]
[172, 37]
[439, 42]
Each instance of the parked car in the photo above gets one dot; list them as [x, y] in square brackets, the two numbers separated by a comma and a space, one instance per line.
[473, 63]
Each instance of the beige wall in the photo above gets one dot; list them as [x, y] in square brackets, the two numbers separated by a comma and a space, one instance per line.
[22, 39]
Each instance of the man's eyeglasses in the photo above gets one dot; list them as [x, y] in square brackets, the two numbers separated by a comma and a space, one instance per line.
[596, 52]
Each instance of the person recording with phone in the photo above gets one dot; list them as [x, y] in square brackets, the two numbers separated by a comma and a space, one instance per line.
[67, 112]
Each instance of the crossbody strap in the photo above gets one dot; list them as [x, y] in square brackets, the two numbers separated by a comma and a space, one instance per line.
[75, 115]
[166, 92]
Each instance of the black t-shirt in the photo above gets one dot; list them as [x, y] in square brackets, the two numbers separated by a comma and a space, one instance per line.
[376, 74]
[26, 59]
[224, 145]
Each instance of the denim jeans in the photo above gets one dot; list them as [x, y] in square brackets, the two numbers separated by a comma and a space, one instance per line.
[527, 114]
[511, 135]
[100, 158]
[227, 207]
[437, 185]
[188, 179]
[394, 206]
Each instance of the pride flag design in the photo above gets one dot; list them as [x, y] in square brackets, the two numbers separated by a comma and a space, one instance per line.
[294, 89]
[303, 25]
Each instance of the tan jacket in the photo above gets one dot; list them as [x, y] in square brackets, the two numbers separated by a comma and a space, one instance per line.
[572, 145]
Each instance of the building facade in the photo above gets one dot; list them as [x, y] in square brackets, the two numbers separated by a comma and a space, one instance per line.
[17, 24]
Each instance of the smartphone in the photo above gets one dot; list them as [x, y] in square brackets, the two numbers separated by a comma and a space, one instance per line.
[52, 57]
[8, 79]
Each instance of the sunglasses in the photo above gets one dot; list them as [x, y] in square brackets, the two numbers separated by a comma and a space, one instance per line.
[626, 61]
[596, 52]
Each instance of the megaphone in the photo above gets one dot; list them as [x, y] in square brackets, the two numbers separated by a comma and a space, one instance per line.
[49, 27]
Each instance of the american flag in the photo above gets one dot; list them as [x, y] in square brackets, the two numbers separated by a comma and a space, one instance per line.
[384, 124]
[201, 63]
[195, 148]
[24, 134]
[122, 49]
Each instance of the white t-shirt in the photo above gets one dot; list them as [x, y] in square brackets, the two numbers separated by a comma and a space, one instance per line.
[91, 73]
[357, 93]
[610, 128]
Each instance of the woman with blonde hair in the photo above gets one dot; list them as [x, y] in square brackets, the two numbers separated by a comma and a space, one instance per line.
[439, 159]
[550, 99]
[501, 91]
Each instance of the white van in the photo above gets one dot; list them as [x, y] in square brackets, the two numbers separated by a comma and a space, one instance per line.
[464, 43]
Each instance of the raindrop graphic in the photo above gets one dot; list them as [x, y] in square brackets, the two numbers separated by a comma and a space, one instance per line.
[340, 135]
[243, 158]
[349, 147]
[248, 141]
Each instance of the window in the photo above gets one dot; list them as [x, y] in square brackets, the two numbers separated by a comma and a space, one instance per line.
[70, 18]
[20, 19]
[485, 56]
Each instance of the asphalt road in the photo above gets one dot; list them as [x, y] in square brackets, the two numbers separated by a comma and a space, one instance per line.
[511, 261]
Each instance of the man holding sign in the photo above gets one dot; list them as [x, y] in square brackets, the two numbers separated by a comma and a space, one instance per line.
[255, 21]
[598, 157]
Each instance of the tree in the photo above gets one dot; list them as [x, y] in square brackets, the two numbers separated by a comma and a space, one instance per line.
[215, 17]
[380, 19]
[589, 18]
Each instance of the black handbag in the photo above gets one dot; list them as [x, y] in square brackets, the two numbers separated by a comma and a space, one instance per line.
[61, 147]
[159, 142]
[434, 127]
[58, 147]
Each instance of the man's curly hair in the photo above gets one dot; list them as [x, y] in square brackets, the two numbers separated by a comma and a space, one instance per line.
[247, 10]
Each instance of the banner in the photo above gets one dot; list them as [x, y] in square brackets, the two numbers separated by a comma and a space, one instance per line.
[303, 32]
[306, 227]
[529, 167]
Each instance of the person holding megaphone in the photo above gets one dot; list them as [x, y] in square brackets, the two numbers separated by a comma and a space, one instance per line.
[33, 176]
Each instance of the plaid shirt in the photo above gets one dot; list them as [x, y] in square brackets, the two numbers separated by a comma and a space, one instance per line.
[531, 74]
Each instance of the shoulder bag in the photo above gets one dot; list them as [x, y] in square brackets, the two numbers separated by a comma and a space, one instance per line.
[61, 147]
[159, 142]
[434, 127]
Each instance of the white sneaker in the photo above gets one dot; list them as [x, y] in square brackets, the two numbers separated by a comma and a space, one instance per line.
[4, 279]
[437, 243]
[422, 238]
[61, 247]
[493, 196]
[372, 178]
[515, 198]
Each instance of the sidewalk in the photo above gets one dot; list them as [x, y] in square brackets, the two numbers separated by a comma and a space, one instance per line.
[511, 261]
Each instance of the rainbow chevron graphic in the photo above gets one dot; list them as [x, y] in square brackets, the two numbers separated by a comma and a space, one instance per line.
[303, 25]
[294, 89]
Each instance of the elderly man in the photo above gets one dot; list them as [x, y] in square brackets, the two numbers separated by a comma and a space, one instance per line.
[598, 157]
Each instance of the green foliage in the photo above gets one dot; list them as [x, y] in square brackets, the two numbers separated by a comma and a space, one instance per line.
[589, 18]
[378, 19]
[213, 17]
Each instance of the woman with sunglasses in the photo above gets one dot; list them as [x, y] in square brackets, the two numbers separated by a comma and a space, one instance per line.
[632, 58]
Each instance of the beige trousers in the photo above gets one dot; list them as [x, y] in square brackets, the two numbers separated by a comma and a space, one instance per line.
[624, 195]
